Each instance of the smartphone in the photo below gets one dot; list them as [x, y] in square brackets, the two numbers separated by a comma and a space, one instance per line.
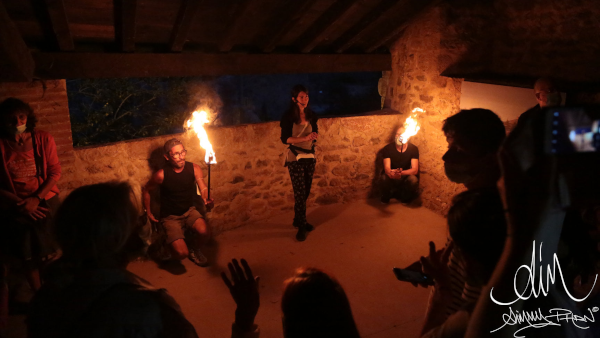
[571, 130]
[412, 276]
[572, 135]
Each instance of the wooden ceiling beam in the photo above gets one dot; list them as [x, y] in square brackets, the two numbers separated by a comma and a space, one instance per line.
[16, 62]
[125, 17]
[107, 65]
[356, 32]
[319, 30]
[286, 19]
[185, 18]
[412, 11]
[60, 24]
[240, 14]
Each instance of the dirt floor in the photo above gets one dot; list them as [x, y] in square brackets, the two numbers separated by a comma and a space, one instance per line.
[359, 243]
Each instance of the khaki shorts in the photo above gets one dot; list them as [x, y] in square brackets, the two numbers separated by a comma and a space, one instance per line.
[175, 226]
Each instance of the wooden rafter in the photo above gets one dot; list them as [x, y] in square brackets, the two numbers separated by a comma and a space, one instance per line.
[16, 63]
[60, 24]
[385, 38]
[321, 28]
[412, 10]
[125, 15]
[106, 65]
[185, 18]
[356, 32]
[287, 18]
[240, 13]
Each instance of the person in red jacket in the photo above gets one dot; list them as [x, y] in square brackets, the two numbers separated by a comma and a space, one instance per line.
[29, 171]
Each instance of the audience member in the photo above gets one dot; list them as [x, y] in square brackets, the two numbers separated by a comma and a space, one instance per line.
[401, 170]
[474, 137]
[28, 194]
[477, 227]
[178, 213]
[299, 129]
[314, 304]
[534, 207]
[88, 291]
[546, 94]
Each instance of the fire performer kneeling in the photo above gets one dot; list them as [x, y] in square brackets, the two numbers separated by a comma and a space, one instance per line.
[177, 211]
[401, 165]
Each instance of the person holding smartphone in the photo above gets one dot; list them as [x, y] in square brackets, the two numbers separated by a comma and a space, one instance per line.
[299, 130]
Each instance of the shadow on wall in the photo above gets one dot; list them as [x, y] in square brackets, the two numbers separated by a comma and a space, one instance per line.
[375, 191]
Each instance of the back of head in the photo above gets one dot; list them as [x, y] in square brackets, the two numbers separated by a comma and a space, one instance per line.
[479, 130]
[315, 305]
[95, 223]
[477, 225]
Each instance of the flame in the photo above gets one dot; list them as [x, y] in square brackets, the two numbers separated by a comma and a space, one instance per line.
[197, 124]
[411, 126]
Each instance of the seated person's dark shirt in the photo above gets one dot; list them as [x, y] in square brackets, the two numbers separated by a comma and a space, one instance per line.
[398, 159]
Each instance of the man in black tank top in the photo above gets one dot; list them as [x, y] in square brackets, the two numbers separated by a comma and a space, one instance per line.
[400, 178]
[177, 182]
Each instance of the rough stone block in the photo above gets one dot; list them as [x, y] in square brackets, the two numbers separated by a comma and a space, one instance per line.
[359, 141]
[237, 179]
[331, 158]
[350, 158]
[341, 170]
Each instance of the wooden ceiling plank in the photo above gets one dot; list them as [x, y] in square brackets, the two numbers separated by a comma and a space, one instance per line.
[288, 19]
[119, 65]
[413, 10]
[240, 14]
[60, 24]
[385, 38]
[125, 15]
[185, 18]
[321, 28]
[356, 32]
[16, 62]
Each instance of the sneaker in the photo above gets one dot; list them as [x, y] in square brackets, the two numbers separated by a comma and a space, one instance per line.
[198, 258]
[309, 227]
[301, 235]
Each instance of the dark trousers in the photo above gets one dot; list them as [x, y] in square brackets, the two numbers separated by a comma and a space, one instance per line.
[405, 189]
[301, 174]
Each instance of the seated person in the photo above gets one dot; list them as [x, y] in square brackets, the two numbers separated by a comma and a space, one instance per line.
[401, 165]
[88, 292]
[177, 182]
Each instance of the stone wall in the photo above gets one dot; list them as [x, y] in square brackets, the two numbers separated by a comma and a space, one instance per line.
[249, 182]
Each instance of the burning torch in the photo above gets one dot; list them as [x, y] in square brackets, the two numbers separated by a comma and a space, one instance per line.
[411, 127]
[197, 122]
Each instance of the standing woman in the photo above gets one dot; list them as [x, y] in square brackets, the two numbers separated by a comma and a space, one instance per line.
[299, 130]
[29, 170]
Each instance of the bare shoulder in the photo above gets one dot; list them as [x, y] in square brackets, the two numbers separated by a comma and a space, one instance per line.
[197, 169]
[159, 176]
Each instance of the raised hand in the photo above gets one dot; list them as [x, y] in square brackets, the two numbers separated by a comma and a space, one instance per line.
[244, 290]
[436, 265]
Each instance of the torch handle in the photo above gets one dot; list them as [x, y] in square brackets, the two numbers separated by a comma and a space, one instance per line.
[208, 180]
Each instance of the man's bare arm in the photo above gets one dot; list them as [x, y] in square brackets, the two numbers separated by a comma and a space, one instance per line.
[200, 181]
[156, 180]
[414, 163]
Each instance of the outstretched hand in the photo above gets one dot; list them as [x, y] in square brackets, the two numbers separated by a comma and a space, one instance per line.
[244, 290]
